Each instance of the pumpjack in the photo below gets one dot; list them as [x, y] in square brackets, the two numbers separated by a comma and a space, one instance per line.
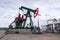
[21, 22]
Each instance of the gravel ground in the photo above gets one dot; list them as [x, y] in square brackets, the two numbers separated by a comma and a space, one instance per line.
[2, 33]
[45, 36]
[32, 37]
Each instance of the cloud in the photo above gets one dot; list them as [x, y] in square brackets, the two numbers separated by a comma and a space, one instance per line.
[47, 8]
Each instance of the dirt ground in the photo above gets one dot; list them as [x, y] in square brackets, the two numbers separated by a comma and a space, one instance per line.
[31, 37]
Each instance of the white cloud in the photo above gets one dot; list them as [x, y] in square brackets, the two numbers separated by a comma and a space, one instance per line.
[9, 9]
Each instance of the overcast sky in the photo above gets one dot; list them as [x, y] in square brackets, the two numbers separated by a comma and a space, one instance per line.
[47, 9]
